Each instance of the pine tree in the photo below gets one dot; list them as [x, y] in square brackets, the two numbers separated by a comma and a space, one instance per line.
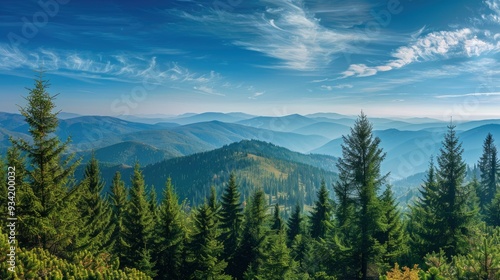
[231, 219]
[94, 210]
[51, 222]
[321, 214]
[455, 214]
[493, 211]
[205, 246]
[424, 221]
[118, 203]
[170, 235]
[276, 262]
[139, 222]
[294, 224]
[359, 172]
[489, 170]
[255, 229]
[277, 223]
[393, 236]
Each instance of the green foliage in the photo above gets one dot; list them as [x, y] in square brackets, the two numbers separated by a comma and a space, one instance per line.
[489, 170]
[493, 211]
[360, 179]
[205, 246]
[455, 215]
[231, 219]
[393, 235]
[118, 203]
[139, 223]
[50, 220]
[255, 230]
[95, 212]
[170, 236]
[322, 214]
[294, 224]
[275, 262]
[38, 263]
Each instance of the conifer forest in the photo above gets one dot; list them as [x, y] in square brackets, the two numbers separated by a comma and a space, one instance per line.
[348, 225]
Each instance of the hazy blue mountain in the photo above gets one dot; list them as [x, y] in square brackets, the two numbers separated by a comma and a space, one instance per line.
[210, 116]
[11, 121]
[128, 153]
[326, 129]
[284, 124]
[67, 115]
[217, 134]
[329, 116]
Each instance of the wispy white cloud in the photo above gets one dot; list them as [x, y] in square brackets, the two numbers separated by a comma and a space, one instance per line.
[339, 86]
[256, 94]
[468, 94]
[286, 31]
[435, 45]
[207, 90]
[123, 67]
[494, 6]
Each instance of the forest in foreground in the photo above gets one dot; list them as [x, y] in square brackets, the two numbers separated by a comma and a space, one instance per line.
[63, 228]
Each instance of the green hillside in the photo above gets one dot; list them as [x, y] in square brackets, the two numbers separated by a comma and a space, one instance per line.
[285, 175]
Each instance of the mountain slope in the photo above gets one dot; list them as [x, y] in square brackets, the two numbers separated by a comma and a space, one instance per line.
[128, 153]
[257, 164]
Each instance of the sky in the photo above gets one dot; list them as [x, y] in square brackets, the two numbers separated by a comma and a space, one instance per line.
[425, 58]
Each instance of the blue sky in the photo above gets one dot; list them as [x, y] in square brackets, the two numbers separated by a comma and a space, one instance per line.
[434, 58]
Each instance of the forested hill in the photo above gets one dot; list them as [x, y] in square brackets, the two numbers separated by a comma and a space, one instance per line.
[294, 176]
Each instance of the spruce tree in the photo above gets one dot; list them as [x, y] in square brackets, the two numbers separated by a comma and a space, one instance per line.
[51, 222]
[424, 219]
[139, 222]
[493, 211]
[170, 236]
[277, 222]
[294, 224]
[359, 172]
[231, 218]
[94, 210]
[255, 230]
[276, 262]
[321, 214]
[489, 169]
[205, 246]
[393, 236]
[118, 201]
[453, 196]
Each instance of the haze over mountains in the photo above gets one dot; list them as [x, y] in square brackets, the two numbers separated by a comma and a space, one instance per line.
[409, 143]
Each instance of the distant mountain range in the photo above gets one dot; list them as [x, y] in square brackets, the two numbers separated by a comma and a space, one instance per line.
[409, 143]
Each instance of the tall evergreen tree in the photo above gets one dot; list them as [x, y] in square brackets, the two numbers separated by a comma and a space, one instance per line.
[94, 210]
[493, 211]
[453, 196]
[206, 247]
[276, 262]
[51, 222]
[231, 219]
[139, 222]
[321, 214]
[277, 223]
[489, 171]
[170, 235]
[424, 219]
[118, 202]
[393, 236]
[294, 224]
[359, 171]
[255, 229]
